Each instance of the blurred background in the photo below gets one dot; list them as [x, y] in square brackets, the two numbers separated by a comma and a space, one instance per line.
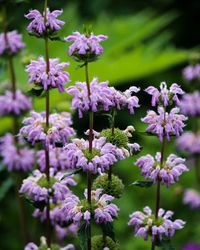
[149, 42]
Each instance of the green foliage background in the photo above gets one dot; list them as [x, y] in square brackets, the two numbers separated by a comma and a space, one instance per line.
[140, 51]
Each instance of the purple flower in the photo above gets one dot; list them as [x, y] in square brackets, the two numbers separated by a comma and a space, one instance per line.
[191, 246]
[165, 124]
[15, 158]
[77, 210]
[14, 103]
[164, 96]
[38, 189]
[58, 159]
[191, 72]
[120, 139]
[62, 232]
[100, 96]
[59, 128]
[31, 246]
[38, 25]
[189, 142]
[145, 223]
[125, 99]
[190, 104]
[192, 198]
[103, 155]
[85, 44]
[11, 43]
[43, 245]
[55, 78]
[168, 174]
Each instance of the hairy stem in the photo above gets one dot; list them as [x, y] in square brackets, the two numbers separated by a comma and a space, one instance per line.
[89, 176]
[113, 132]
[153, 246]
[47, 166]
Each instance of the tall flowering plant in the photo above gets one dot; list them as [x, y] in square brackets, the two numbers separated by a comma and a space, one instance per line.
[15, 156]
[166, 122]
[97, 155]
[48, 186]
[189, 142]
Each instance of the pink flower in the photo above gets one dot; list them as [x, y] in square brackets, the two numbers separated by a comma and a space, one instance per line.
[145, 224]
[38, 25]
[14, 104]
[169, 173]
[55, 78]
[11, 43]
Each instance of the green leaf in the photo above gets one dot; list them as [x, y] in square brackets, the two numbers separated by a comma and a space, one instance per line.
[83, 235]
[71, 173]
[56, 38]
[108, 230]
[166, 245]
[142, 184]
[5, 186]
[36, 91]
[37, 204]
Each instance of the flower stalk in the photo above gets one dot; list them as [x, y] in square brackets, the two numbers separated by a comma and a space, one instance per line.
[89, 176]
[47, 126]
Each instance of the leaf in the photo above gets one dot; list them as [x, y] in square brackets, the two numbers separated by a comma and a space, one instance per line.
[142, 184]
[166, 245]
[37, 204]
[108, 230]
[83, 235]
[71, 173]
[36, 91]
[56, 38]
[5, 186]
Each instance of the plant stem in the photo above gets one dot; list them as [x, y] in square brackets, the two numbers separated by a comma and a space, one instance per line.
[89, 176]
[21, 208]
[47, 166]
[113, 132]
[153, 246]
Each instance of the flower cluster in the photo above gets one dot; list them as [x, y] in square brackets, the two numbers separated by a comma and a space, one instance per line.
[78, 210]
[164, 96]
[43, 245]
[146, 224]
[37, 188]
[10, 43]
[103, 155]
[15, 158]
[169, 173]
[191, 72]
[85, 45]
[125, 99]
[62, 232]
[55, 78]
[40, 26]
[58, 159]
[102, 96]
[192, 198]
[14, 103]
[189, 142]
[190, 104]
[191, 246]
[59, 129]
[165, 123]
[120, 138]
